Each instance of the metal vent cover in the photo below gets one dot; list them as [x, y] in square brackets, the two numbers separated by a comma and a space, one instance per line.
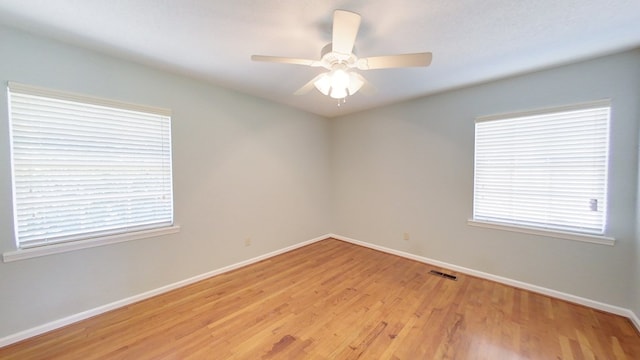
[444, 275]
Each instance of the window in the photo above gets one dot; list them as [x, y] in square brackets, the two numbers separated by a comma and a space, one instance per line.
[544, 170]
[86, 167]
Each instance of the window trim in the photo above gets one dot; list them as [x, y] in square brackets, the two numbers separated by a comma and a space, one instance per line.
[94, 100]
[89, 240]
[602, 239]
[62, 247]
[594, 239]
[547, 110]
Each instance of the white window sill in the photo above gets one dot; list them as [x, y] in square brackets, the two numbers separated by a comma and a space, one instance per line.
[45, 250]
[594, 239]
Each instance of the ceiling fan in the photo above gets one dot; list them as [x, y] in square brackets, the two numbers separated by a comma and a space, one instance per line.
[338, 57]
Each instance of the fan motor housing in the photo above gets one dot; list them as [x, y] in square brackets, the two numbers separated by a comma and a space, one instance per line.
[330, 57]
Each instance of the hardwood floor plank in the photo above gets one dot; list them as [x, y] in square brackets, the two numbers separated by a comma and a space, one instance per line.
[335, 300]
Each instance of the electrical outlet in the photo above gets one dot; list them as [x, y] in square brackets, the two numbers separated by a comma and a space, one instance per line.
[406, 236]
[247, 241]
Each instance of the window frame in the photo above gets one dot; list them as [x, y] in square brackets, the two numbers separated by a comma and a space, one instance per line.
[596, 238]
[88, 239]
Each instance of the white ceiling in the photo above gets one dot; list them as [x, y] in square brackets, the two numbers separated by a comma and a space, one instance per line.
[471, 40]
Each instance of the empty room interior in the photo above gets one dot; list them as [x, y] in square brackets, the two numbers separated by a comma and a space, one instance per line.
[196, 180]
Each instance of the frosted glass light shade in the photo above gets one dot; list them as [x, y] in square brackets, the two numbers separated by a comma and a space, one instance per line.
[339, 83]
[338, 92]
[355, 82]
[339, 79]
[323, 84]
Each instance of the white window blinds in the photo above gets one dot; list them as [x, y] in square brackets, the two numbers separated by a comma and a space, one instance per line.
[86, 167]
[544, 170]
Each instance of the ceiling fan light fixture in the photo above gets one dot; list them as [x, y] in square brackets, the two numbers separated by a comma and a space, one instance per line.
[339, 83]
[339, 58]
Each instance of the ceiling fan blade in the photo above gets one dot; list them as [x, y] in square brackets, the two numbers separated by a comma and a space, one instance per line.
[345, 30]
[308, 86]
[394, 61]
[285, 60]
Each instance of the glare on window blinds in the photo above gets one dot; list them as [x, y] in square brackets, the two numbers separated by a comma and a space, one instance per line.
[546, 170]
[83, 169]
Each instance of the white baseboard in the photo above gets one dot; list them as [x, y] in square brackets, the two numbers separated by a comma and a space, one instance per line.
[38, 330]
[515, 283]
[635, 320]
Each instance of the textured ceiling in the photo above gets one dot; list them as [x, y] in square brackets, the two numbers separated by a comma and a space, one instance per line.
[471, 40]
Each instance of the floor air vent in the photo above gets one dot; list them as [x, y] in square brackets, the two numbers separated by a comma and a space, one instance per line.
[446, 276]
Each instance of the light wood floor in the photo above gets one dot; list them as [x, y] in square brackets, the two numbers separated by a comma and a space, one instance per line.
[334, 300]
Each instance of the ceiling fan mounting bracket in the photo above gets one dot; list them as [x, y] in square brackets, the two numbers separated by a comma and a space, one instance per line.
[330, 58]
